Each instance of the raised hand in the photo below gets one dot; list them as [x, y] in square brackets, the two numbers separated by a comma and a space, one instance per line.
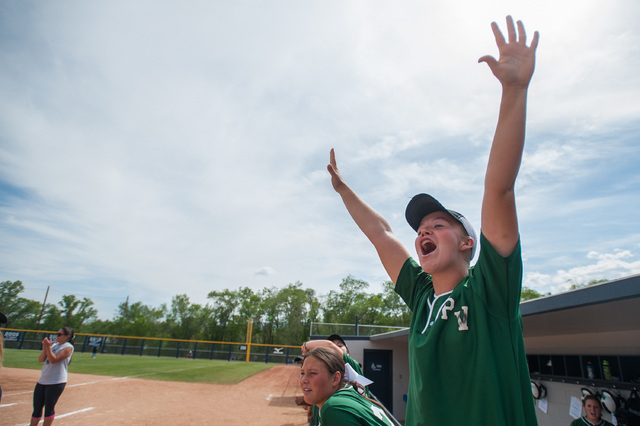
[517, 61]
[336, 179]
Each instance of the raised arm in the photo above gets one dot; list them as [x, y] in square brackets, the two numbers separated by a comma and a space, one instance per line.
[390, 250]
[312, 344]
[513, 69]
[43, 354]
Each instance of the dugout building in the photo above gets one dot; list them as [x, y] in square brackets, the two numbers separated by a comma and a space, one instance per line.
[577, 342]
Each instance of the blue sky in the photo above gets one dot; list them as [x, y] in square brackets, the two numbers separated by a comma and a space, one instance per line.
[155, 148]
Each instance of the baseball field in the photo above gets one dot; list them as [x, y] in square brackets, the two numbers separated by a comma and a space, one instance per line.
[134, 390]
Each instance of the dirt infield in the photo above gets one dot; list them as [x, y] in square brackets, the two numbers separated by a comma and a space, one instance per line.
[266, 398]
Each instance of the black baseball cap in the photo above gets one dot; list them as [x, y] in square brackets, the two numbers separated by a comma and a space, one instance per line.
[336, 337]
[424, 204]
[3, 318]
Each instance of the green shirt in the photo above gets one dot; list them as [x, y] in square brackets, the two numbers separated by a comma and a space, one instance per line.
[582, 421]
[467, 362]
[347, 407]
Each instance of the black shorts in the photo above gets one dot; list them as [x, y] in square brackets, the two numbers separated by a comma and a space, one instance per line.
[46, 396]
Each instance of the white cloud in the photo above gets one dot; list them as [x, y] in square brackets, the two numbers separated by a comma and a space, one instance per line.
[609, 266]
[266, 270]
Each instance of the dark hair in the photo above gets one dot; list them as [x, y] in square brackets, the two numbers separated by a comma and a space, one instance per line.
[67, 331]
[592, 398]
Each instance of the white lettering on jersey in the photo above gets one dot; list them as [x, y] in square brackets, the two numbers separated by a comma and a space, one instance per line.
[447, 306]
[462, 315]
[379, 413]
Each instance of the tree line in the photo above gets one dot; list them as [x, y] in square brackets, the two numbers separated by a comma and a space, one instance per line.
[280, 315]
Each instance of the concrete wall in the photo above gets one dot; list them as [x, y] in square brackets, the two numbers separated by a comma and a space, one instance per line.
[400, 368]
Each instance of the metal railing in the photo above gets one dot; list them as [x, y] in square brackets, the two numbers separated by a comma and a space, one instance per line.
[327, 328]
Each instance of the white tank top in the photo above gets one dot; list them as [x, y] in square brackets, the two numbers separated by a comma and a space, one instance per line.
[53, 374]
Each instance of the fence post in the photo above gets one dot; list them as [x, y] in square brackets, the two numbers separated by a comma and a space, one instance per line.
[195, 350]
[211, 353]
[286, 359]
[124, 345]
[159, 347]
[229, 359]
[266, 355]
[24, 334]
[84, 344]
[141, 346]
[178, 350]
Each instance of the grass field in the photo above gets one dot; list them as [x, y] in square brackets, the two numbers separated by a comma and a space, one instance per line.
[153, 368]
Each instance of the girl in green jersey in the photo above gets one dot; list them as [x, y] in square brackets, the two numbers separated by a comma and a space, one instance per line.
[323, 383]
[593, 410]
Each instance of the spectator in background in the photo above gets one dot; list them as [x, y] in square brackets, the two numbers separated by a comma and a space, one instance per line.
[593, 410]
[96, 344]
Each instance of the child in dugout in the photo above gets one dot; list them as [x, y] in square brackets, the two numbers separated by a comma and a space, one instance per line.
[466, 351]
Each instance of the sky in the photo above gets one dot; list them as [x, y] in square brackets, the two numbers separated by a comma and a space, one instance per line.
[156, 148]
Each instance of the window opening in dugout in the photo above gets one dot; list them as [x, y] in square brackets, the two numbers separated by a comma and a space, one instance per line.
[620, 369]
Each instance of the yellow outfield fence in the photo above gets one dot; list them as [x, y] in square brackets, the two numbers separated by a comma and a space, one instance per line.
[159, 346]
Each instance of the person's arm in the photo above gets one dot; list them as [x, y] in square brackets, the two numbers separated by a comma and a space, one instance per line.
[53, 358]
[311, 344]
[513, 69]
[391, 252]
[43, 355]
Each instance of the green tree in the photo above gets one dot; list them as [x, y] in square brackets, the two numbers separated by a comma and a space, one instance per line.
[185, 319]
[76, 312]
[224, 322]
[137, 319]
[288, 313]
[576, 285]
[20, 312]
[394, 311]
[529, 294]
[354, 299]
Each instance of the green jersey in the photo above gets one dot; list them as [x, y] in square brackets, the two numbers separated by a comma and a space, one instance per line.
[467, 361]
[582, 421]
[347, 407]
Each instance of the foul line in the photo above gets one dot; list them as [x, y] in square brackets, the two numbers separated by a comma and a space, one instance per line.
[110, 380]
[63, 415]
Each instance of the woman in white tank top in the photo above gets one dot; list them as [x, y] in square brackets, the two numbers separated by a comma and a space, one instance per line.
[56, 357]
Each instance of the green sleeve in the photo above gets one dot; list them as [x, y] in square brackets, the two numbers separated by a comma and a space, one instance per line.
[352, 362]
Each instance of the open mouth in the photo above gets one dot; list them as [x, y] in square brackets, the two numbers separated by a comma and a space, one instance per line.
[427, 247]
